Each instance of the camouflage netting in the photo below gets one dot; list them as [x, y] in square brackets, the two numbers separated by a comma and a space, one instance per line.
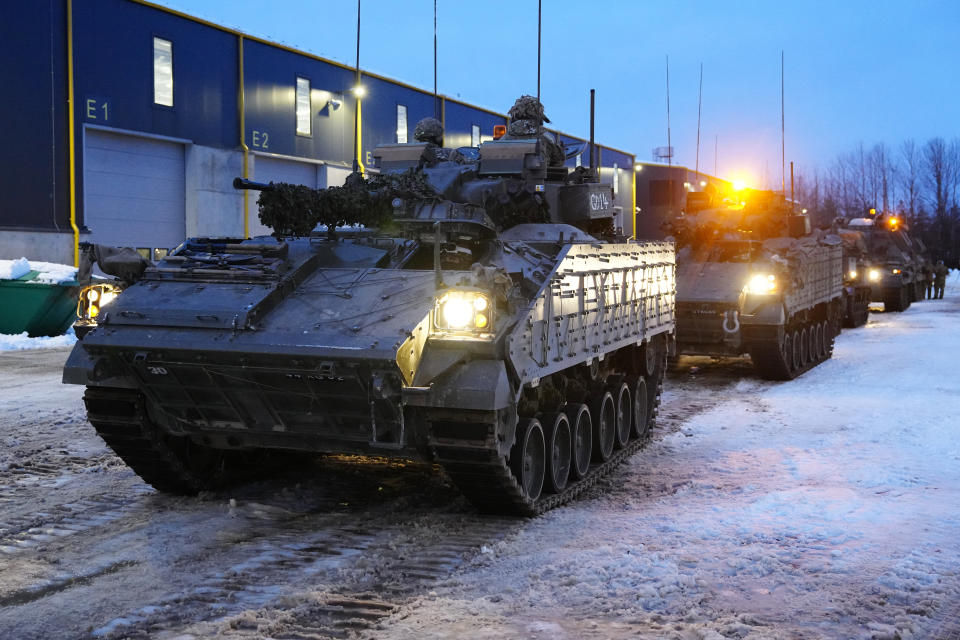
[295, 210]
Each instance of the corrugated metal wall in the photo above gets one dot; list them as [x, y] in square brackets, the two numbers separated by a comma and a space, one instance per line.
[113, 49]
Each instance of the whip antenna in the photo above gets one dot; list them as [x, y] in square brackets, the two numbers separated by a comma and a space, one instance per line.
[696, 169]
[539, 23]
[436, 103]
[783, 143]
[669, 146]
[356, 93]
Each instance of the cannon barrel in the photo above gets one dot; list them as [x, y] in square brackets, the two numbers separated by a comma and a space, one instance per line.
[243, 183]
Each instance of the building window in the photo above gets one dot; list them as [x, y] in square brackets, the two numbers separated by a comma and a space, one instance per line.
[163, 72]
[303, 107]
[474, 135]
[401, 124]
[616, 180]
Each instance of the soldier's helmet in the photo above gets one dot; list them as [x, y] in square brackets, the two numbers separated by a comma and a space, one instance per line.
[527, 108]
[429, 130]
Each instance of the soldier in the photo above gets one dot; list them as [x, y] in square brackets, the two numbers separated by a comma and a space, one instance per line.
[927, 271]
[940, 279]
[430, 130]
[526, 121]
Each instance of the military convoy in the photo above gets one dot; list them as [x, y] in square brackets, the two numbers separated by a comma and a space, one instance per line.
[473, 308]
[895, 271]
[752, 279]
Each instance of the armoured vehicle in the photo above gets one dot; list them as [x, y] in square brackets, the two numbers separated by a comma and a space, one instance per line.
[752, 279]
[471, 308]
[856, 278]
[895, 273]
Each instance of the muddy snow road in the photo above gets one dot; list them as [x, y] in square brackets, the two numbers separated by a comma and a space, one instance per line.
[820, 508]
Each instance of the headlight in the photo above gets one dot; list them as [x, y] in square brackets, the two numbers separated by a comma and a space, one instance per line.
[463, 312]
[93, 298]
[853, 274]
[895, 272]
[762, 283]
[874, 275]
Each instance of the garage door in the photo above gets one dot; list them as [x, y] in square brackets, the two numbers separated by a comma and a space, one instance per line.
[268, 169]
[133, 190]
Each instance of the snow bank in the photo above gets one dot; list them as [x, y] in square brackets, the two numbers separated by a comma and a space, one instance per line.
[49, 272]
[22, 342]
[13, 269]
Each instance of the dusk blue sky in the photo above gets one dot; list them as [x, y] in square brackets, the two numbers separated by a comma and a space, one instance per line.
[870, 71]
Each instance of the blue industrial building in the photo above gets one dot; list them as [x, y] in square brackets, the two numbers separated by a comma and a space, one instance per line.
[128, 121]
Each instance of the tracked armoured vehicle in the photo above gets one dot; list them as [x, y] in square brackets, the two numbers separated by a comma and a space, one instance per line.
[895, 271]
[856, 278]
[484, 317]
[752, 279]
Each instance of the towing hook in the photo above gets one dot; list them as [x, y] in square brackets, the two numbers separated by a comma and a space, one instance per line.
[734, 315]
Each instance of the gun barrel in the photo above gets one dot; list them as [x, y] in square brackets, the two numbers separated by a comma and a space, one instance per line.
[243, 183]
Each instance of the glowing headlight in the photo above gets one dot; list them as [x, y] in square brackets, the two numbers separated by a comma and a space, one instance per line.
[853, 274]
[456, 312]
[874, 275]
[895, 272]
[762, 283]
[463, 311]
[94, 298]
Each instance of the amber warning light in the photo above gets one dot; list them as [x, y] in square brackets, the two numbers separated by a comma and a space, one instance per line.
[499, 130]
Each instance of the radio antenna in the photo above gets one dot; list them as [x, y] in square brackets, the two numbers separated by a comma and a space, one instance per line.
[783, 135]
[356, 93]
[669, 146]
[436, 102]
[696, 169]
[539, 24]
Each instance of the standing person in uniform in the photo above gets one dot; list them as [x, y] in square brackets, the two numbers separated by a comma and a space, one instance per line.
[940, 279]
[928, 277]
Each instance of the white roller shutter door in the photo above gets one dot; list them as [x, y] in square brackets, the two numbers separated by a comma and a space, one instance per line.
[133, 190]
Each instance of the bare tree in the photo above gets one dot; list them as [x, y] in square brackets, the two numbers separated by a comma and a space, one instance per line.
[940, 164]
[909, 179]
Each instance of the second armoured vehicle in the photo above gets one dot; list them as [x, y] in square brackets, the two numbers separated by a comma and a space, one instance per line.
[752, 279]
[472, 308]
[856, 278]
[895, 273]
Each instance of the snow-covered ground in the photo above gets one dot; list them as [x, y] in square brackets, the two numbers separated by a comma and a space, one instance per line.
[824, 507]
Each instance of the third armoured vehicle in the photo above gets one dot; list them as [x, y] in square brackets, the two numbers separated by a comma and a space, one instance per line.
[895, 273]
[472, 308]
[752, 279]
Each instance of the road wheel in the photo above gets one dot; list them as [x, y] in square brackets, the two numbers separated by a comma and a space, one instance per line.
[804, 347]
[797, 350]
[624, 413]
[786, 350]
[528, 459]
[641, 422]
[581, 436]
[818, 340]
[557, 434]
[603, 412]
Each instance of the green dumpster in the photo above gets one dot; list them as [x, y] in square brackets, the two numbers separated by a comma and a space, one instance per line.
[39, 308]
